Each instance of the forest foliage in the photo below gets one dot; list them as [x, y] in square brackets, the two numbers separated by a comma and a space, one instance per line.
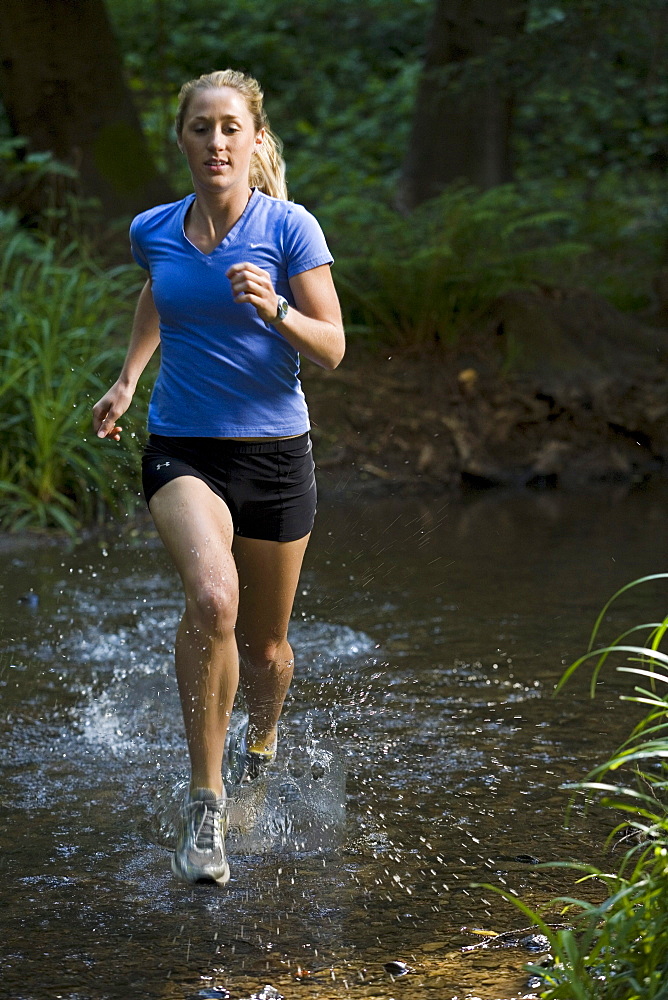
[587, 207]
[340, 78]
[590, 144]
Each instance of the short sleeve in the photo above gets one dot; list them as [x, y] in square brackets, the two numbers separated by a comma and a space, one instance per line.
[135, 236]
[304, 242]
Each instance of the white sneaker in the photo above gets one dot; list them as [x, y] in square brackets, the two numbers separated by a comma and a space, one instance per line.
[200, 851]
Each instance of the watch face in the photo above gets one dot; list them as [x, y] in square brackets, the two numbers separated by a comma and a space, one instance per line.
[282, 308]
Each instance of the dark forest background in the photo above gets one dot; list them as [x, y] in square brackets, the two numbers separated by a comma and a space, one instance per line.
[382, 105]
[454, 151]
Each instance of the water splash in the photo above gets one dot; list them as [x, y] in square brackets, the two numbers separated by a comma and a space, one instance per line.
[297, 806]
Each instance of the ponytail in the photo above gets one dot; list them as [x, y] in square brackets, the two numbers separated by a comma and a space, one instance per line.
[267, 170]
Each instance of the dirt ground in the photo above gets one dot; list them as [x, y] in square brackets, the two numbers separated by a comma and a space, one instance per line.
[553, 389]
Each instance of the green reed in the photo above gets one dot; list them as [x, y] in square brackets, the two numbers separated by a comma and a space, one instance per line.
[62, 324]
[618, 949]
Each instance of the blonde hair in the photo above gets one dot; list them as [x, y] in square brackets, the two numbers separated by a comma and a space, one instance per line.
[267, 170]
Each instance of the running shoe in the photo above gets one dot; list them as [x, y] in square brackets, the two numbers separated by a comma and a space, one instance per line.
[246, 763]
[200, 852]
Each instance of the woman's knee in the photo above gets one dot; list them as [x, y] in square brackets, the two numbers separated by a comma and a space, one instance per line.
[211, 608]
[266, 654]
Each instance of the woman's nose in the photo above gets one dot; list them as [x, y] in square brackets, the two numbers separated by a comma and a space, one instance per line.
[216, 138]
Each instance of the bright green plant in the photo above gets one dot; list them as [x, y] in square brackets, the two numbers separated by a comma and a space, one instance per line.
[61, 323]
[618, 949]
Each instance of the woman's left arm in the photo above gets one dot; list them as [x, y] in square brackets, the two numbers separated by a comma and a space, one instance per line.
[314, 326]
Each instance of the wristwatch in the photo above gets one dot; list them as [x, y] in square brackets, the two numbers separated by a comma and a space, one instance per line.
[282, 312]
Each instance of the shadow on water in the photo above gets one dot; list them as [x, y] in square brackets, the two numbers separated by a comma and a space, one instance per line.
[421, 752]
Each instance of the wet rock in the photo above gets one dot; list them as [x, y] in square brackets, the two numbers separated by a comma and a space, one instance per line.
[525, 937]
[267, 992]
[211, 993]
[397, 969]
[516, 859]
[536, 943]
[436, 979]
[551, 457]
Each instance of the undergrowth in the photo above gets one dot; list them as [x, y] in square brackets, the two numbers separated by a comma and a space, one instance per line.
[63, 322]
[430, 277]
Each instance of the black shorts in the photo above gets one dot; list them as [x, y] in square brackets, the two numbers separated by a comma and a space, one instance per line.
[268, 486]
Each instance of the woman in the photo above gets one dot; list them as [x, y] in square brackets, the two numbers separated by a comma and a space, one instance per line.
[239, 285]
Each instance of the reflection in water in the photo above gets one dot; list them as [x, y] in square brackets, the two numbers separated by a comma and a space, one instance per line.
[429, 637]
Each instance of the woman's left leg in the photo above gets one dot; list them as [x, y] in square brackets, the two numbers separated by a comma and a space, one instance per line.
[268, 577]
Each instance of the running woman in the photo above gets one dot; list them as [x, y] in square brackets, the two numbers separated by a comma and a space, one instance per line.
[238, 287]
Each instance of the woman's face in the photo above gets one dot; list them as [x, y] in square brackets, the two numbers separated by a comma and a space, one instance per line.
[219, 139]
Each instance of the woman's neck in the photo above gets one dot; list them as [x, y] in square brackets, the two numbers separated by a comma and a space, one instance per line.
[212, 216]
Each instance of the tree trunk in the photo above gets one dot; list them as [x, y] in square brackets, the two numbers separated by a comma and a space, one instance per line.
[62, 86]
[464, 106]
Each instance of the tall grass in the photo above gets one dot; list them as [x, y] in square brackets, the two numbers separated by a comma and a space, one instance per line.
[618, 949]
[62, 325]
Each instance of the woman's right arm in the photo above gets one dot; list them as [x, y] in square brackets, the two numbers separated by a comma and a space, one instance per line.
[143, 342]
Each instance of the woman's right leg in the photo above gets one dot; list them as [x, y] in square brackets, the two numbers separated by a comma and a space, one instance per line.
[196, 528]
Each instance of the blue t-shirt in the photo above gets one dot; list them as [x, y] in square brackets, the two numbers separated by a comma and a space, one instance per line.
[224, 372]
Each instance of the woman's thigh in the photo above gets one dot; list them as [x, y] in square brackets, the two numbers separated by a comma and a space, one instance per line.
[196, 529]
[268, 578]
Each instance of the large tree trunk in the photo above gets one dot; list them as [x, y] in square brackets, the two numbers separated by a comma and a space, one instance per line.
[463, 116]
[62, 86]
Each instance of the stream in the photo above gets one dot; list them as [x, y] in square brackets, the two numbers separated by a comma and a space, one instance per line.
[422, 754]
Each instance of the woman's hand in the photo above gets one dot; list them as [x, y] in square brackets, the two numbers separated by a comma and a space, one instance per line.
[314, 327]
[251, 284]
[107, 411]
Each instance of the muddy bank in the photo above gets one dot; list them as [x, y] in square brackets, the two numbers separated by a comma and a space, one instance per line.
[553, 389]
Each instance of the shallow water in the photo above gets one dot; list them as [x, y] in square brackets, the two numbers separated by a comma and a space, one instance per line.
[422, 744]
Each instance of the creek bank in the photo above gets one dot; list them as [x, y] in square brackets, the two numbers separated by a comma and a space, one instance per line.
[553, 389]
